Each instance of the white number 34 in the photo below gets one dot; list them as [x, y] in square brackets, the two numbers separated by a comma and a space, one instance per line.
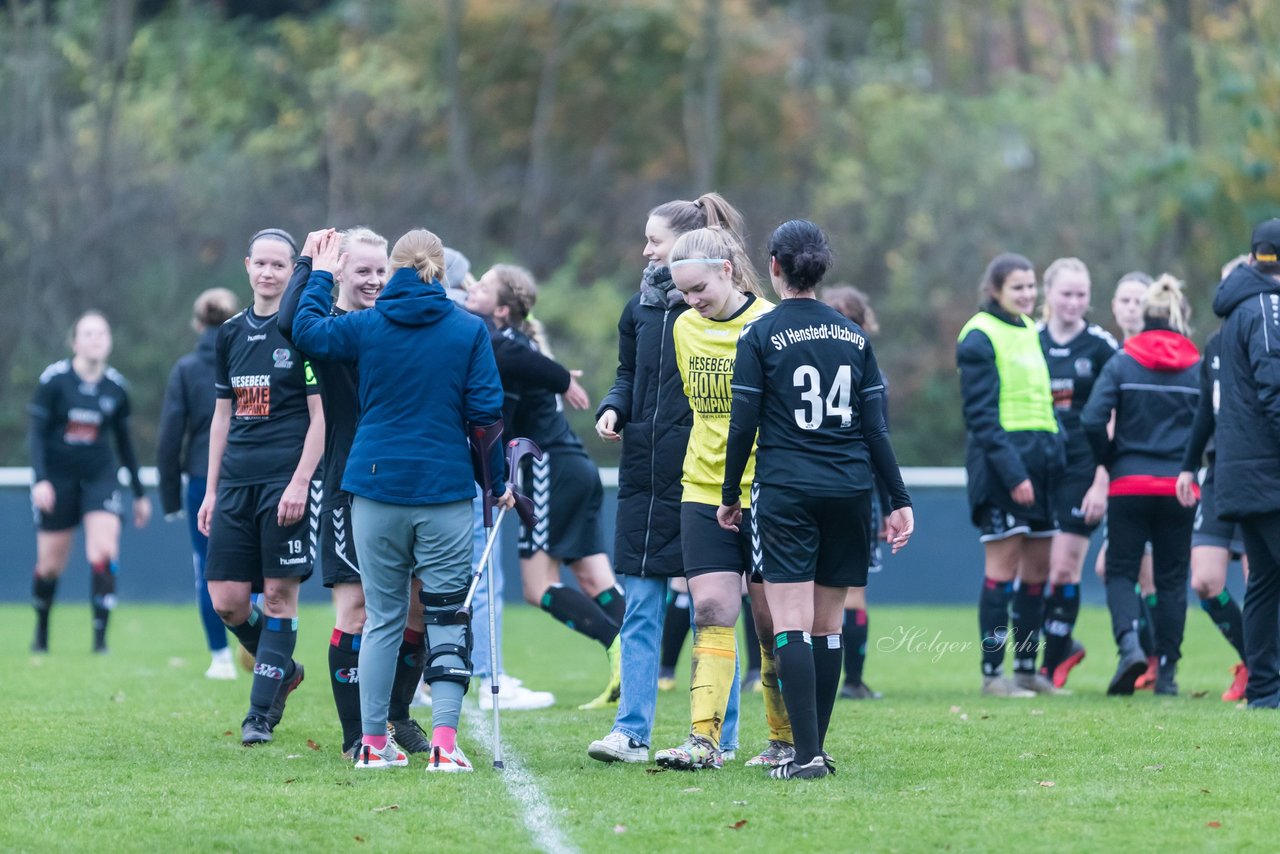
[835, 403]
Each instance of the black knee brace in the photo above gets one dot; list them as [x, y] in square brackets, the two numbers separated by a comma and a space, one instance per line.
[446, 635]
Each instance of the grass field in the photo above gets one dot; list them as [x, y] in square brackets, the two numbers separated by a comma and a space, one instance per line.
[136, 751]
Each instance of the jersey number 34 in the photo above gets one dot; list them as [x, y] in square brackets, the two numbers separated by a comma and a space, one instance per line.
[836, 402]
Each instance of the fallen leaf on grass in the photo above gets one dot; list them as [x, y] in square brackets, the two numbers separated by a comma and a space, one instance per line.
[1214, 824]
[312, 744]
[985, 717]
[291, 780]
[691, 789]
[619, 828]
[1153, 768]
[387, 807]
[1048, 784]
[1205, 791]
[228, 732]
[343, 783]
[739, 824]
[655, 770]
[358, 838]
[1199, 695]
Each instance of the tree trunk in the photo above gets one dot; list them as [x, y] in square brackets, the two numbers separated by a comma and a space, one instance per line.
[466, 191]
[702, 101]
[537, 176]
[1021, 40]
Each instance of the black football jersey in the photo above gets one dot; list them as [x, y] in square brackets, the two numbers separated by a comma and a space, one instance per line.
[812, 367]
[340, 390]
[1073, 369]
[267, 382]
[73, 420]
[538, 412]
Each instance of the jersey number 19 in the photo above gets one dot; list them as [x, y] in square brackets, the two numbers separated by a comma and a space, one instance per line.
[835, 402]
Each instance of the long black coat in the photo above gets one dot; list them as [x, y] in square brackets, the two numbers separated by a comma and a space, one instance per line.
[183, 444]
[655, 419]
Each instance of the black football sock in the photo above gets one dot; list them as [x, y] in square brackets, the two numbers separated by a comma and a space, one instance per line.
[1225, 613]
[993, 623]
[613, 602]
[794, 653]
[1146, 623]
[579, 613]
[274, 662]
[102, 588]
[753, 637]
[827, 660]
[250, 631]
[1028, 615]
[675, 628]
[42, 592]
[344, 676]
[409, 663]
[855, 644]
[1061, 608]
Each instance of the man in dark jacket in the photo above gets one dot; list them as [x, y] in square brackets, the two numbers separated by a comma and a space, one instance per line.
[1247, 436]
[183, 448]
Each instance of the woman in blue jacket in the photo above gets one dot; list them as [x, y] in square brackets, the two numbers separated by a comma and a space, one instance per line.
[426, 374]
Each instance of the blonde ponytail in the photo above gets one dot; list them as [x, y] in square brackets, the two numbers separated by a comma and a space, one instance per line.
[1164, 301]
[422, 251]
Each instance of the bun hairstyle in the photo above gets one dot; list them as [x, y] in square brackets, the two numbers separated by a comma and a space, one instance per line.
[275, 234]
[998, 270]
[802, 252]
[709, 209]
[213, 308]
[853, 304]
[419, 250]
[1165, 304]
[718, 242]
[518, 292]
[1056, 269]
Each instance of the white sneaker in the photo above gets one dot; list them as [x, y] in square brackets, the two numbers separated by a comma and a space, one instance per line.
[421, 697]
[390, 756]
[449, 763]
[512, 695]
[616, 747]
[222, 667]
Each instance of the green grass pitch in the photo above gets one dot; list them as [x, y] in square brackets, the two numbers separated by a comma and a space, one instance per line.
[136, 751]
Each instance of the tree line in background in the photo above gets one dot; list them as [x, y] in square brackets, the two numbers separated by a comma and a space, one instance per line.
[142, 141]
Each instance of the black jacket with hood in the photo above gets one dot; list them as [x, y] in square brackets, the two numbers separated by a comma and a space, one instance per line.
[655, 419]
[183, 443]
[1247, 431]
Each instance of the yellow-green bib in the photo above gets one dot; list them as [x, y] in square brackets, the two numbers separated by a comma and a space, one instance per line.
[1026, 401]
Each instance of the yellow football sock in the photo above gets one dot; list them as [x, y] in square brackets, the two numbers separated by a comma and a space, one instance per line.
[711, 679]
[775, 711]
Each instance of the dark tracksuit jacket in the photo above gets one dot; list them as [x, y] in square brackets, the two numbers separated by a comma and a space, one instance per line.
[183, 442]
[655, 419]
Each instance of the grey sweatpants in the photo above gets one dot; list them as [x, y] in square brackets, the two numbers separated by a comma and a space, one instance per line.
[395, 543]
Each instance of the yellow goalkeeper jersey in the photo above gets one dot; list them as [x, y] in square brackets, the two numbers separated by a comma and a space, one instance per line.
[705, 352]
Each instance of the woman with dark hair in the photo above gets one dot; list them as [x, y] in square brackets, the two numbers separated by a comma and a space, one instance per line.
[1152, 389]
[1014, 459]
[183, 448]
[806, 384]
[78, 403]
[648, 412]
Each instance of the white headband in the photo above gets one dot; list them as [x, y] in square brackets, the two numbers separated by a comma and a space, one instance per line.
[675, 264]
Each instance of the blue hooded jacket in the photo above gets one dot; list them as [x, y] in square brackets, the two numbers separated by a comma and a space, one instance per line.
[427, 373]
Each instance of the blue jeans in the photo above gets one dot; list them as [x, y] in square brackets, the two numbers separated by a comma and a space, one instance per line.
[214, 631]
[480, 604]
[641, 649]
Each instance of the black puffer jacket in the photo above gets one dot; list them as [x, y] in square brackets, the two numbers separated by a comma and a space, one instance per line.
[183, 443]
[655, 419]
[1247, 432]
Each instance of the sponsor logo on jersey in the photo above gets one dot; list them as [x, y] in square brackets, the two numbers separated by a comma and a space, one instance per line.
[1064, 391]
[82, 426]
[821, 332]
[294, 561]
[281, 356]
[261, 336]
[1084, 367]
[253, 395]
[707, 383]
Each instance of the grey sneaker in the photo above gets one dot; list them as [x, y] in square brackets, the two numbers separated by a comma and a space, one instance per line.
[772, 756]
[1036, 684]
[999, 686]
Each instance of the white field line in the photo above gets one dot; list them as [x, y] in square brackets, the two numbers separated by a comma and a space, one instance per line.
[536, 809]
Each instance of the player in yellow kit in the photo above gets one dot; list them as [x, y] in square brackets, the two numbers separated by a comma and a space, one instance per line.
[710, 268]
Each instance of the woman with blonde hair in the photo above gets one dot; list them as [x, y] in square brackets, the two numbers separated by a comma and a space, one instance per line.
[410, 474]
[564, 485]
[183, 448]
[1153, 389]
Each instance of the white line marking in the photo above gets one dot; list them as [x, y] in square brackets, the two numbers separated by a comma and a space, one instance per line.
[536, 809]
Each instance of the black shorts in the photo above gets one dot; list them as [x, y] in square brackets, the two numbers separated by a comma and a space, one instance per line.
[706, 547]
[567, 496]
[814, 538]
[73, 497]
[246, 542]
[1210, 529]
[1068, 495]
[337, 551]
[996, 523]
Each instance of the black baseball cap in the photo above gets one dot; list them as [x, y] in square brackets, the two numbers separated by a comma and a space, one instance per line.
[1265, 243]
